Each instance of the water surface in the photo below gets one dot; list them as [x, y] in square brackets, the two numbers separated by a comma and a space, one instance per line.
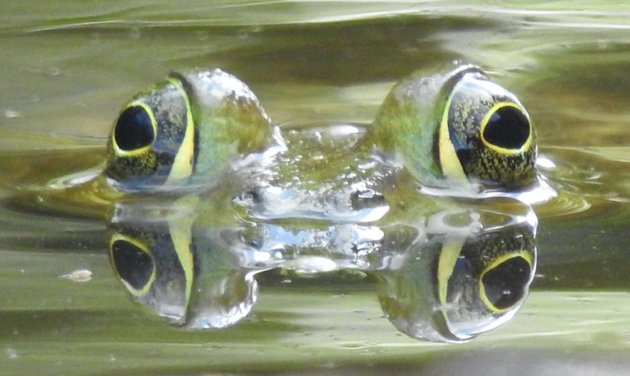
[68, 67]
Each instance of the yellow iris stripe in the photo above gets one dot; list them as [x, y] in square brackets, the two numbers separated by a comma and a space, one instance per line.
[142, 150]
[180, 231]
[183, 163]
[446, 265]
[147, 286]
[498, 149]
[525, 255]
[451, 167]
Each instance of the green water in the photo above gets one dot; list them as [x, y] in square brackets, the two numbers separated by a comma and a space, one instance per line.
[68, 66]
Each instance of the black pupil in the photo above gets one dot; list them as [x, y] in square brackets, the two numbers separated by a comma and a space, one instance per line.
[133, 264]
[508, 128]
[133, 129]
[505, 283]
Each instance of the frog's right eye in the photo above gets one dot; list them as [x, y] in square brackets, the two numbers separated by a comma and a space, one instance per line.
[135, 128]
[133, 264]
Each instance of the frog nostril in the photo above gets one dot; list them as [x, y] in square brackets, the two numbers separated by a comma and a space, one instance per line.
[134, 129]
[507, 128]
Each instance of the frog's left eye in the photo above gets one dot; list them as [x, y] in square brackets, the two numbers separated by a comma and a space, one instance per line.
[486, 136]
[457, 129]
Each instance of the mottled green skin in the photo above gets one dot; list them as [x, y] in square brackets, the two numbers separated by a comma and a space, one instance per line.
[408, 123]
[229, 121]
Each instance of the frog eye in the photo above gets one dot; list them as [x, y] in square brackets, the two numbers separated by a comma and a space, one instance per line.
[152, 142]
[485, 277]
[135, 128]
[506, 129]
[188, 126]
[133, 264]
[457, 129]
[486, 136]
[501, 284]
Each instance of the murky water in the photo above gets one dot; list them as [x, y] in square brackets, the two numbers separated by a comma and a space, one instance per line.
[68, 68]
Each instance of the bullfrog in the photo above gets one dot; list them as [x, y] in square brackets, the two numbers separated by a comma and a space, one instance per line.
[200, 192]
[453, 129]
[237, 196]
[454, 133]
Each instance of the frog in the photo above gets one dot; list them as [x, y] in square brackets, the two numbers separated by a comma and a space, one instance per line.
[198, 177]
[453, 133]
[323, 198]
[453, 128]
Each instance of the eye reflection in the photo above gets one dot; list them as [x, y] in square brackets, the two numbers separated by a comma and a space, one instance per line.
[447, 281]
[503, 284]
[133, 264]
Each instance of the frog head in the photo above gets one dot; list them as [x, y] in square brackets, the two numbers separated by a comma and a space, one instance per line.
[458, 129]
[189, 126]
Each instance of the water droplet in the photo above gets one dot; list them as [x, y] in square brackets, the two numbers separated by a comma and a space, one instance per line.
[11, 114]
[80, 275]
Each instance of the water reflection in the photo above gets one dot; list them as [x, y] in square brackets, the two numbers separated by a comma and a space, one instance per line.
[447, 276]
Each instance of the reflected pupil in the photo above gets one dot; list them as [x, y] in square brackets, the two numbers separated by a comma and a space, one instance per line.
[133, 129]
[508, 128]
[504, 284]
[133, 264]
